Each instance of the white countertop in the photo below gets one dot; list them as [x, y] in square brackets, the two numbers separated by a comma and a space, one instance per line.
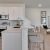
[12, 30]
[28, 27]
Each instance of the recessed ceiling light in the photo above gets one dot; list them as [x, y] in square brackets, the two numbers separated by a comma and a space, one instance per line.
[39, 5]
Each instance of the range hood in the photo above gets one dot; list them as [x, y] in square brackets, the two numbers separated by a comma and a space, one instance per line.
[19, 18]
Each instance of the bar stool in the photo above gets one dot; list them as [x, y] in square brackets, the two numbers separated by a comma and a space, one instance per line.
[38, 40]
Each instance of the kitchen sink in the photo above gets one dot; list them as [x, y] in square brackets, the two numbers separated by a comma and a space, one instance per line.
[16, 27]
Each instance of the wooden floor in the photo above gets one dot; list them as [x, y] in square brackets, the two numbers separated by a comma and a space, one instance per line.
[47, 43]
[0, 44]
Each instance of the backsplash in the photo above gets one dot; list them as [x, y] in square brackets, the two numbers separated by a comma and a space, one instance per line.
[4, 22]
[16, 22]
[11, 23]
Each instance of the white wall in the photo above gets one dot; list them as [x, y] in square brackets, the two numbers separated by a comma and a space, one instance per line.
[33, 14]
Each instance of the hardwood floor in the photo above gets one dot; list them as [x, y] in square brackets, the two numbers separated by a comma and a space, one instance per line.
[47, 43]
[0, 44]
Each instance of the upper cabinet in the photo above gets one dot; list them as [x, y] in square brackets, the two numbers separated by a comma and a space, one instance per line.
[21, 12]
[4, 15]
[11, 14]
[14, 11]
[1, 10]
[16, 14]
[5, 10]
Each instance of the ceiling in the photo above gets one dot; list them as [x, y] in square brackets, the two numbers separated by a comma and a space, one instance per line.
[30, 3]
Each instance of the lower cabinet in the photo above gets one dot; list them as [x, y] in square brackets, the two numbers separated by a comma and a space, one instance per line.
[11, 41]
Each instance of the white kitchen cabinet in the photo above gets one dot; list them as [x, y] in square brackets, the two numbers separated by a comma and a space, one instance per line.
[1, 10]
[21, 12]
[11, 13]
[16, 12]
[12, 39]
[5, 11]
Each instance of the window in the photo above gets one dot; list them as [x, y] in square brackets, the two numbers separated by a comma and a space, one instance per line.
[43, 17]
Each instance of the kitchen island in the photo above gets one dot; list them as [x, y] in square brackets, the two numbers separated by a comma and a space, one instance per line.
[12, 39]
[15, 39]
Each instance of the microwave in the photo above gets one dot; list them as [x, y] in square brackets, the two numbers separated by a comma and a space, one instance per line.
[4, 17]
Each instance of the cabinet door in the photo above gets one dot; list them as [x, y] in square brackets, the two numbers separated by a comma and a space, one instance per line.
[12, 41]
[5, 10]
[11, 13]
[1, 10]
[15, 13]
[21, 12]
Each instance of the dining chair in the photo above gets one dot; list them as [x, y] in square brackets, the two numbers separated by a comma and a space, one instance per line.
[38, 40]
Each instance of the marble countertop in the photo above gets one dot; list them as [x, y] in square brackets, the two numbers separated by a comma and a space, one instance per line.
[12, 30]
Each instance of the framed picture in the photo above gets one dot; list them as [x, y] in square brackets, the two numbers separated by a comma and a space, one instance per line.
[43, 20]
[43, 13]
